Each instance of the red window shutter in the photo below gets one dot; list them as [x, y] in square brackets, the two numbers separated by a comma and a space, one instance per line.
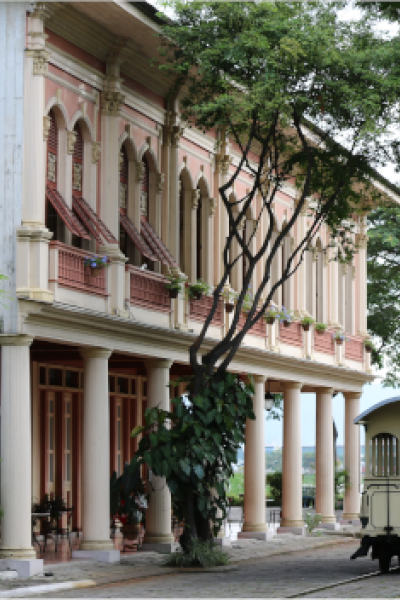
[77, 163]
[52, 152]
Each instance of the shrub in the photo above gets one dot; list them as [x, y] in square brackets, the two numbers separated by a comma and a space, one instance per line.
[274, 480]
[312, 521]
[200, 554]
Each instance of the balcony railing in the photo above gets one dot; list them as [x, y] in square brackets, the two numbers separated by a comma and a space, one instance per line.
[292, 335]
[199, 310]
[259, 329]
[148, 290]
[353, 349]
[324, 342]
[73, 274]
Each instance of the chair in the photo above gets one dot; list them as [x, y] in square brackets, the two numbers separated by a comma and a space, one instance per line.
[53, 530]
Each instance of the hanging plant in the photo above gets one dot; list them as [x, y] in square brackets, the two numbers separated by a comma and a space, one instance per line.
[229, 296]
[369, 346]
[285, 317]
[271, 313]
[175, 285]
[196, 290]
[339, 337]
[96, 263]
[306, 323]
[320, 328]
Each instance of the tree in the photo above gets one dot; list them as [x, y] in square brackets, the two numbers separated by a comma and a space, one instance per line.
[282, 82]
[384, 289]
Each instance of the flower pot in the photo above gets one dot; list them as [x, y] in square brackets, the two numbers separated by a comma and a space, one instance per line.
[131, 530]
[94, 271]
[368, 349]
[229, 307]
[270, 320]
[339, 342]
[287, 323]
[320, 331]
[173, 293]
[306, 326]
[196, 295]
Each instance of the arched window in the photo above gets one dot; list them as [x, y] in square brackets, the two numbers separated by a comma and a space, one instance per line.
[199, 238]
[144, 190]
[181, 224]
[383, 455]
[77, 162]
[53, 221]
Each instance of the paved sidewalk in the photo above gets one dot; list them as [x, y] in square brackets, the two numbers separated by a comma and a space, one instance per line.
[150, 564]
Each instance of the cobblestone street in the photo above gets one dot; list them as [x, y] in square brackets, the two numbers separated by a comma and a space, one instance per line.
[276, 576]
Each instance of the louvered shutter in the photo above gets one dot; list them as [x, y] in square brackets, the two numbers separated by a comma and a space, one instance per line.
[77, 163]
[52, 152]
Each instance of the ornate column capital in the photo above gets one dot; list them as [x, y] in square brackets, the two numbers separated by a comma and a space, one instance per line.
[71, 139]
[15, 340]
[96, 151]
[160, 182]
[222, 162]
[40, 61]
[195, 199]
[213, 206]
[139, 171]
[176, 133]
[46, 127]
[158, 363]
[95, 353]
[111, 102]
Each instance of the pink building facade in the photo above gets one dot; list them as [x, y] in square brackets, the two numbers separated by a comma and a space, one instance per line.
[102, 165]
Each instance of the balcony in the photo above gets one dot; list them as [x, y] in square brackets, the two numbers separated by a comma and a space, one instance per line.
[147, 290]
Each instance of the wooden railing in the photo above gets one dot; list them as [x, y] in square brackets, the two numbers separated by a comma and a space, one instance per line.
[353, 349]
[324, 342]
[148, 290]
[259, 329]
[199, 310]
[73, 274]
[292, 335]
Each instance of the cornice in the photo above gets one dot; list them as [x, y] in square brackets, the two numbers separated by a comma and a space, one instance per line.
[75, 67]
[77, 326]
[200, 139]
[143, 106]
[71, 87]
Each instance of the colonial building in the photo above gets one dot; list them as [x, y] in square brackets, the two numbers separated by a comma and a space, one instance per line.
[95, 162]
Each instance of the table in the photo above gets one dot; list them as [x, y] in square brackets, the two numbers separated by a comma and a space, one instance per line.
[37, 515]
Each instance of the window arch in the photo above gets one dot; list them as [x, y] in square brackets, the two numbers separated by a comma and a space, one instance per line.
[383, 455]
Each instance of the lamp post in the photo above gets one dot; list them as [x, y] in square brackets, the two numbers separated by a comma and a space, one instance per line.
[269, 401]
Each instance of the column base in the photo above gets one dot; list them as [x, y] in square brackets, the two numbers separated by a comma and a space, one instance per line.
[222, 541]
[254, 527]
[292, 523]
[25, 567]
[333, 526]
[264, 536]
[158, 538]
[18, 553]
[161, 547]
[355, 521]
[351, 516]
[295, 530]
[97, 545]
[106, 556]
[328, 519]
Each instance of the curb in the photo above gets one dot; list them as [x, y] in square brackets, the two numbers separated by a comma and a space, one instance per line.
[221, 569]
[46, 588]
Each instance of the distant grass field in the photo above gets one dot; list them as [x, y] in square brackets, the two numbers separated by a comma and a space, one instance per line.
[236, 483]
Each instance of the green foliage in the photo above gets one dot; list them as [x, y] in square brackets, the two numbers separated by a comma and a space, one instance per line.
[200, 554]
[312, 520]
[127, 495]
[384, 289]
[198, 288]
[274, 480]
[342, 482]
[307, 320]
[321, 327]
[194, 447]
[276, 412]
[175, 282]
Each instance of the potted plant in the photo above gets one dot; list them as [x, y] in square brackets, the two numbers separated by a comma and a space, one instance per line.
[320, 328]
[229, 296]
[128, 500]
[174, 285]
[248, 301]
[339, 338]
[96, 263]
[306, 322]
[196, 290]
[285, 317]
[369, 346]
[271, 313]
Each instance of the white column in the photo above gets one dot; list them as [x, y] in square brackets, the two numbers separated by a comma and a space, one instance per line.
[362, 285]
[254, 525]
[16, 448]
[158, 516]
[174, 234]
[292, 514]
[352, 455]
[96, 542]
[324, 500]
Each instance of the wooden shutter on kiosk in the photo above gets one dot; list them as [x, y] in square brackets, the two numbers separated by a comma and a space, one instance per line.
[77, 163]
[52, 152]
